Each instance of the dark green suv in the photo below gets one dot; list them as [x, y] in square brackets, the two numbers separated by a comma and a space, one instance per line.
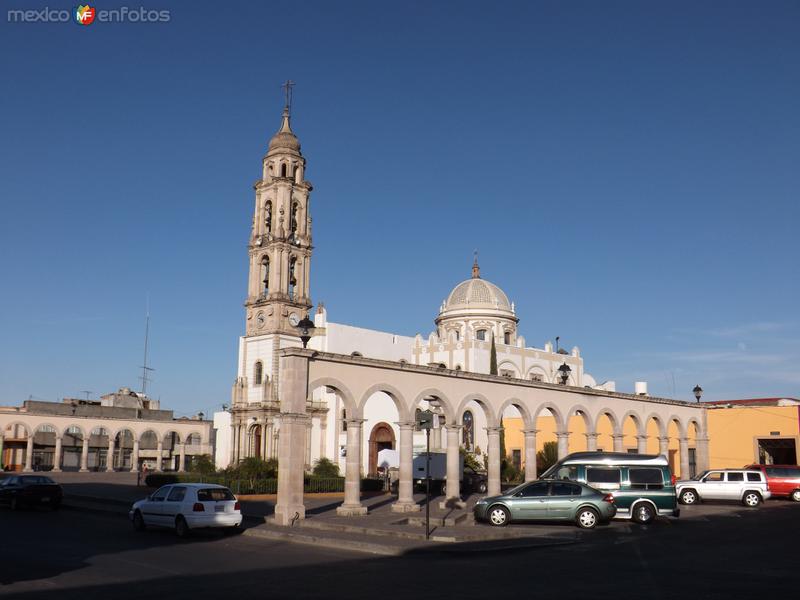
[642, 484]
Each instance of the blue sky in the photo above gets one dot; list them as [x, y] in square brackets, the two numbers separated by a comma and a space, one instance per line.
[627, 170]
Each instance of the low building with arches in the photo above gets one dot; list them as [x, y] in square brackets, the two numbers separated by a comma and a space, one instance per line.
[122, 432]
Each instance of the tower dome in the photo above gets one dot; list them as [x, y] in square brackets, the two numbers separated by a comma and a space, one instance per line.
[284, 139]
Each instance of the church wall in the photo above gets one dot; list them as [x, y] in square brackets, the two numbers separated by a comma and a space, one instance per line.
[346, 339]
[380, 408]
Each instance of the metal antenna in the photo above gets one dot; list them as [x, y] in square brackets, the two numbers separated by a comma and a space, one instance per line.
[287, 88]
[145, 369]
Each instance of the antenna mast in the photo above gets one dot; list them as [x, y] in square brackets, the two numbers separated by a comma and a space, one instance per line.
[145, 369]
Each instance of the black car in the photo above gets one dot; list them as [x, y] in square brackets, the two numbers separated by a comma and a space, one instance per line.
[30, 490]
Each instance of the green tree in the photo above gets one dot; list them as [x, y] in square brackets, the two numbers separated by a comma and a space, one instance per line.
[493, 359]
[203, 465]
[470, 460]
[546, 457]
[325, 468]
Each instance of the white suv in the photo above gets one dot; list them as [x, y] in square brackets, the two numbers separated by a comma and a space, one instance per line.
[745, 486]
[186, 506]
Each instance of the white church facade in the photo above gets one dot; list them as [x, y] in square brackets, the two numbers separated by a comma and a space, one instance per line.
[475, 316]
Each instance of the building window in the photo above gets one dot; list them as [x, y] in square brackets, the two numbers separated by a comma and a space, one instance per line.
[480, 335]
[292, 277]
[268, 216]
[258, 372]
[506, 373]
[344, 420]
[265, 272]
[507, 338]
[536, 377]
[293, 221]
[458, 335]
[468, 434]
[356, 354]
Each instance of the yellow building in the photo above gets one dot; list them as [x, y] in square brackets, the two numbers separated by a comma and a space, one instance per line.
[741, 432]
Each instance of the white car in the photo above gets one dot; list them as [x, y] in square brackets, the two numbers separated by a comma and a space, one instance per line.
[746, 486]
[187, 506]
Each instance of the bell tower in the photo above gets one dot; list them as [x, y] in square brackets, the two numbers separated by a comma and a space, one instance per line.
[280, 247]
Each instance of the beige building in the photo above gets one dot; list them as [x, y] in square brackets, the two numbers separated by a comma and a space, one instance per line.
[124, 431]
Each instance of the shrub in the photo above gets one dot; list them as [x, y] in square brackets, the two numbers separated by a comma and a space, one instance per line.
[546, 457]
[156, 480]
[203, 464]
[325, 468]
[470, 460]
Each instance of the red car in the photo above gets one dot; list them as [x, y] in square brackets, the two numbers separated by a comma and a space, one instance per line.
[783, 480]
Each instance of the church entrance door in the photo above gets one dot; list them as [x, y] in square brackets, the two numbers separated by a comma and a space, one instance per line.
[381, 438]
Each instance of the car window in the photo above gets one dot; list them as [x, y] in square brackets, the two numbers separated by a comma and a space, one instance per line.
[734, 477]
[646, 479]
[535, 489]
[603, 478]
[214, 495]
[715, 476]
[568, 472]
[754, 477]
[177, 494]
[160, 494]
[559, 488]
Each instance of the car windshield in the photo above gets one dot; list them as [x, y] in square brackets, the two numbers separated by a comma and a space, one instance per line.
[699, 476]
[214, 495]
[550, 472]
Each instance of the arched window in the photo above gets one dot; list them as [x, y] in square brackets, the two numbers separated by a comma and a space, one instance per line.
[293, 219]
[292, 277]
[283, 170]
[268, 216]
[468, 435]
[265, 273]
[258, 372]
[507, 338]
[344, 420]
[356, 353]
[458, 367]
[480, 335]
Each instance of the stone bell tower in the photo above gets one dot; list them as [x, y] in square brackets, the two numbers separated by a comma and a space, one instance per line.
[280, 248]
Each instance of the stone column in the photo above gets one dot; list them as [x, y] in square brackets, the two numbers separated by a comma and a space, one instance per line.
[159, 456]
[617, 442]
[135, 457]
[454, 471]
[2, 464]
[405, 486]
[436, 436]
[563, 443]
[29, 456]
[641, 444]
[702, 454]
[85, 455]
[530, 454]
[264, 440]
[591, 442]
[684, 452]
[308, 443]
[268, 435]
[181, 457]
[663, 446]
[494, 460]
[235, 444]
[57, 456]
[110, 455]
[352, 473]
[292, 442]
[323, 435]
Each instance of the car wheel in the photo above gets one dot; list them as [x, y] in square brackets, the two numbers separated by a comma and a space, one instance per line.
[498, 516]
[751, 499]
[643, 513]
[138, 521]
[181, 527]
[688, 497]
[587, 518]
[482, 487]
[795, 496]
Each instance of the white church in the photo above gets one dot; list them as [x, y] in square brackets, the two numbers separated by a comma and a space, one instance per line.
[475, 315]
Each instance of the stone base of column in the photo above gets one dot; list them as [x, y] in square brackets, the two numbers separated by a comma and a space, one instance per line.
[452, 503]
[405, 507]
[55, 470]
[354, 510]
[27, 470]
[109, 469]
[288, 515]
[83, 471]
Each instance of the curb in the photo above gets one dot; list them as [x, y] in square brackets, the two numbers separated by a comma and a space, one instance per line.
[327, 542]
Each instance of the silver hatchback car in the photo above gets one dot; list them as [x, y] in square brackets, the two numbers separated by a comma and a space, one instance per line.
[548, 500]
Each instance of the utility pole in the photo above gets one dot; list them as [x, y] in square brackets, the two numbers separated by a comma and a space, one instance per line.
[145, 369]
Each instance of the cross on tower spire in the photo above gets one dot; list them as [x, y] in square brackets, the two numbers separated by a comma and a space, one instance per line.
[476, 270]
[287, 89]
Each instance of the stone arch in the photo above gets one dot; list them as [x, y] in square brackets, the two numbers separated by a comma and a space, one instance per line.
[73, 426]
[483, 402]
[170, 439]
[662, 427]
[148, 434]
[194, 436]
[445, 403]
[554, 411]
[13, 424]
[636, 418]
[679, 425]
[698, 430]
[381, 436]
[122, 429]
[55, 429]
[392, 392]
[520, 406]
[606, 425]
[342, 390]
[580, 425]
[611, 415]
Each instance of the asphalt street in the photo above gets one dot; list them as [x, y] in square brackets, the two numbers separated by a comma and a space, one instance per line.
[719, 553]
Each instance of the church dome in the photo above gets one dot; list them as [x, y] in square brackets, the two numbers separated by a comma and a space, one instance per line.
[285, 139]
[477, 293]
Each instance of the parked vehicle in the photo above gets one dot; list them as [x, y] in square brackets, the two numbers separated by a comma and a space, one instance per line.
[18, 491]
[746, 486]
[548, 500]
[783, 480]
[642, 484]
[471, 480]
[187, 506]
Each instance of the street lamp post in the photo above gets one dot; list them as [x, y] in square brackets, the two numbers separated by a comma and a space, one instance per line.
[425, 421]
[306, 327]
[698, 392]
[563, 372]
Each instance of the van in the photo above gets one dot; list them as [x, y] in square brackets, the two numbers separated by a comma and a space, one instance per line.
[642, 484]
[783, 480]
